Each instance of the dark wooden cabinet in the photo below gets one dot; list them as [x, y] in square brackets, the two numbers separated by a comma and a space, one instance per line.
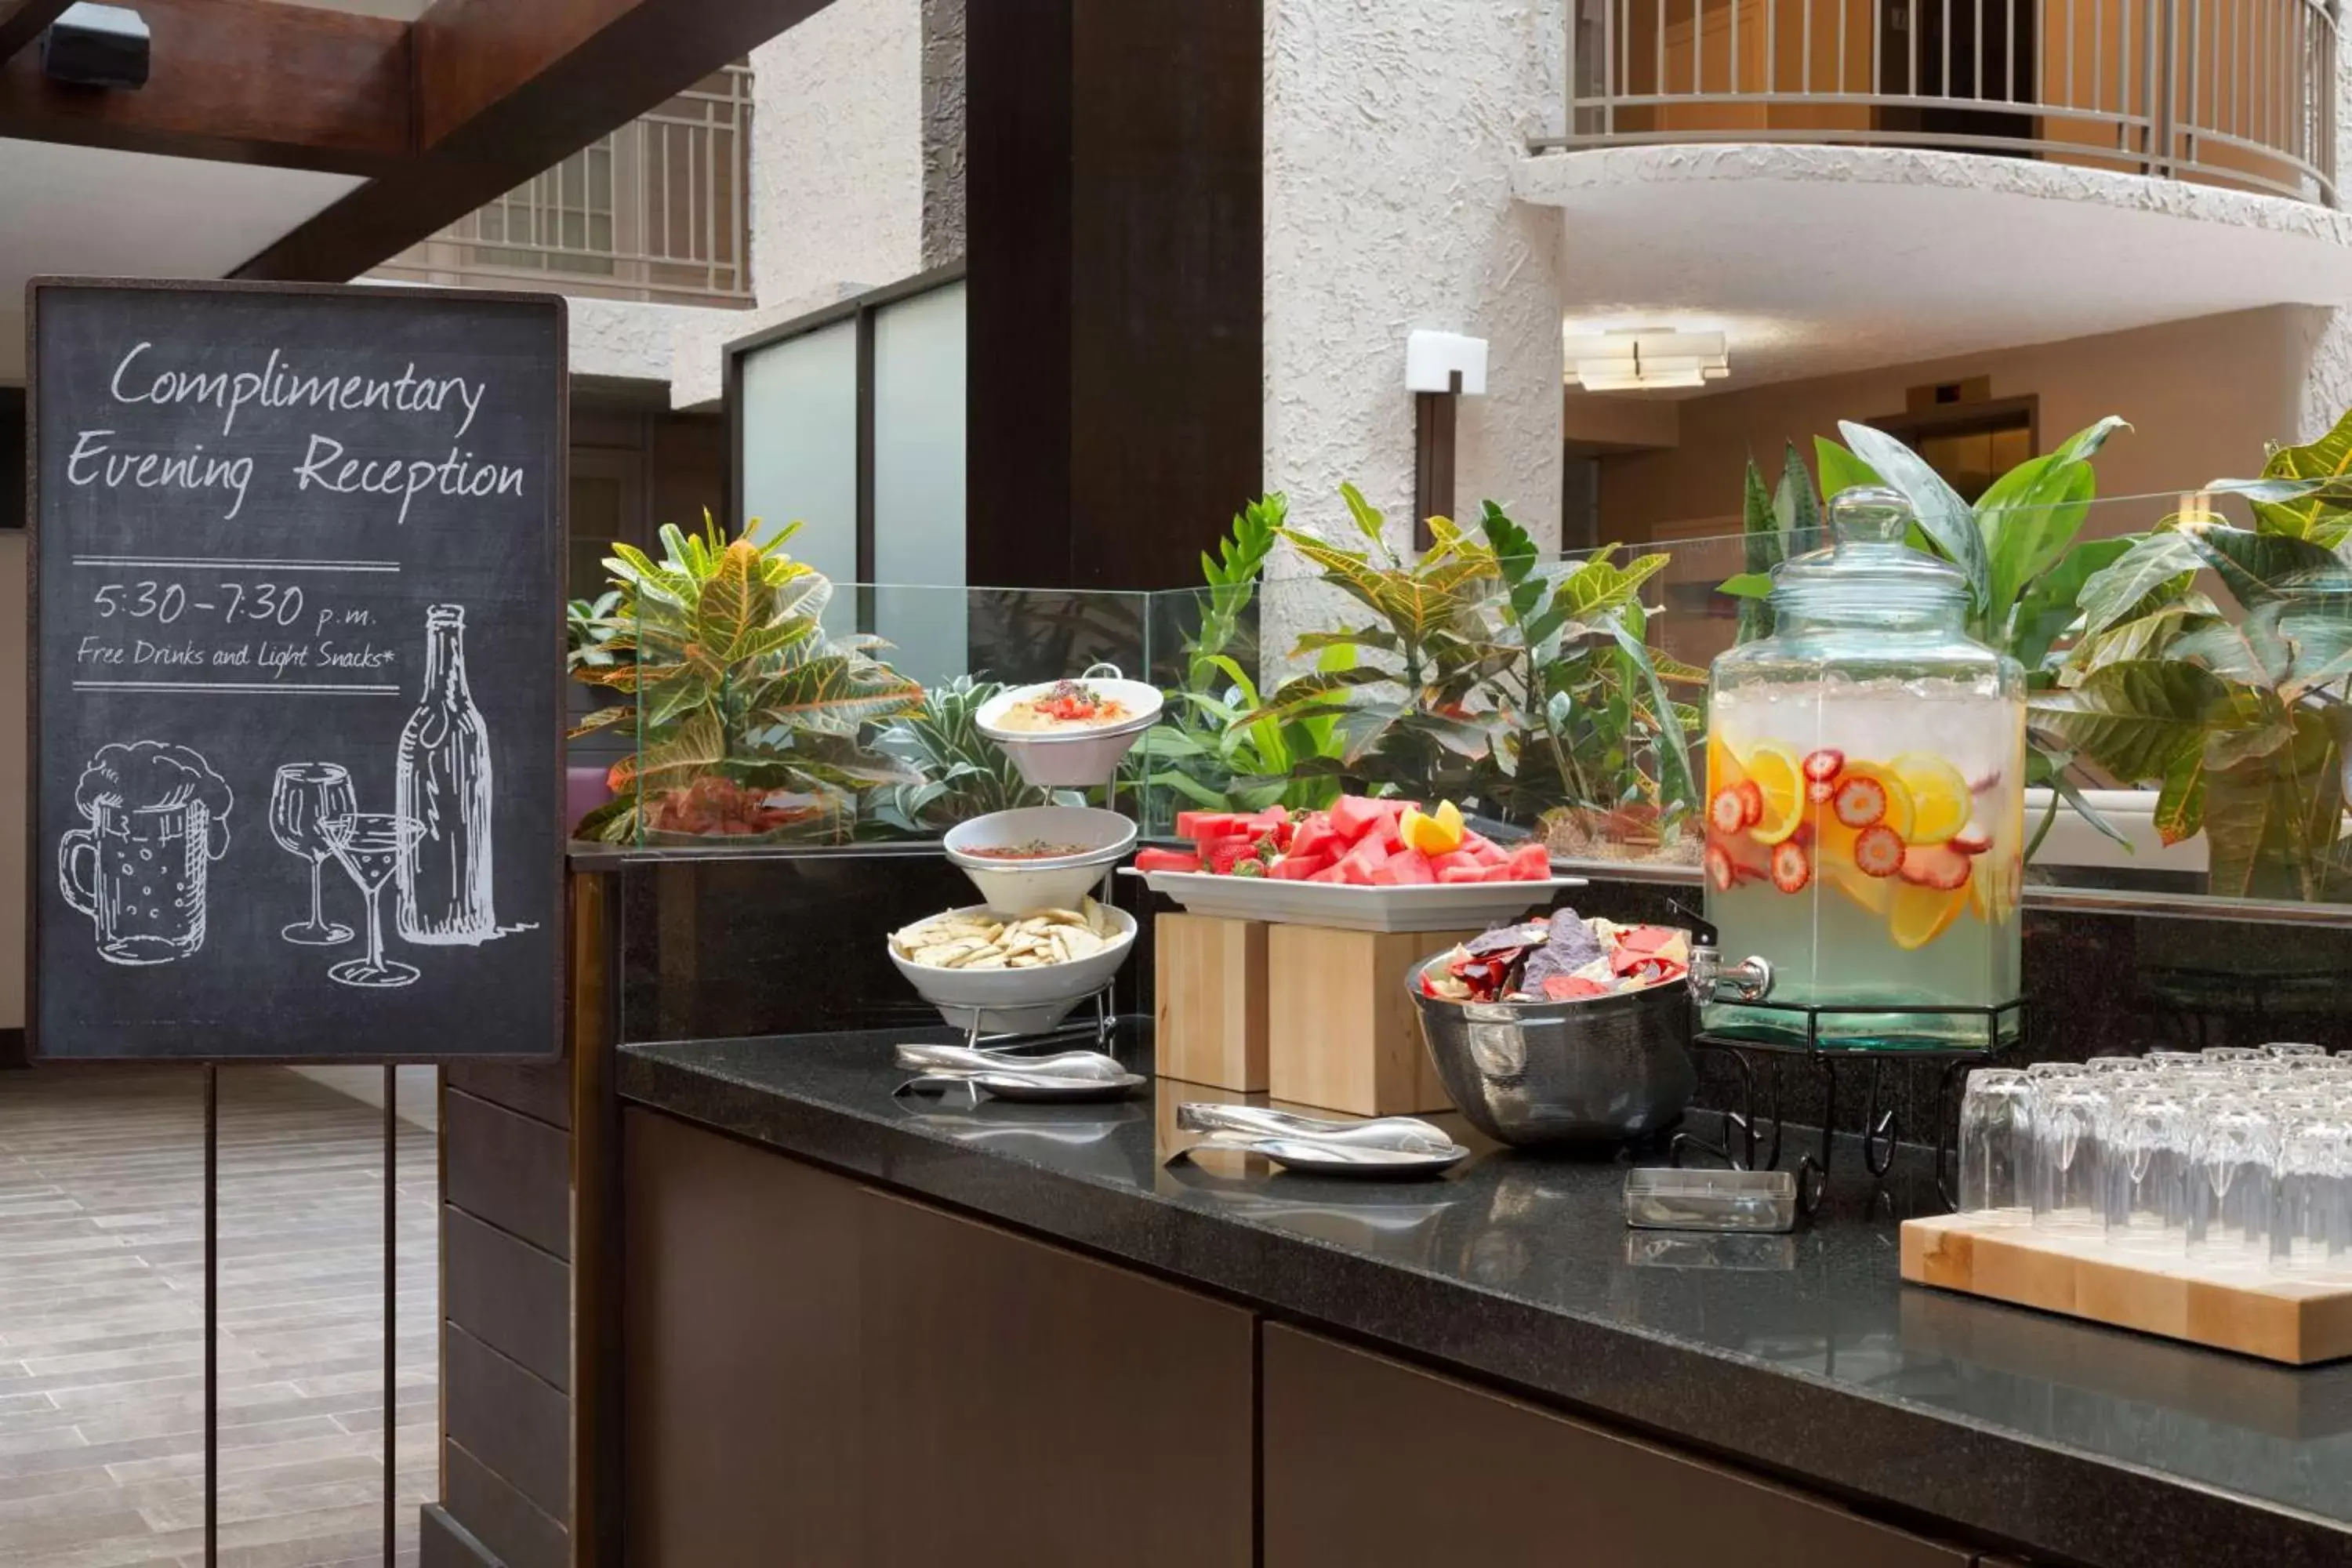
[822, 1376]
[1371, 1463]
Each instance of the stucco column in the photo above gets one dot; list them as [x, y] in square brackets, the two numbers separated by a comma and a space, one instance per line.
[1392, 130]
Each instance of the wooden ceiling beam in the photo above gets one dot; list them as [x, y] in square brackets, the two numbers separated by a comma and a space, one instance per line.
[508, 89]
[249, 81]
[26, 20]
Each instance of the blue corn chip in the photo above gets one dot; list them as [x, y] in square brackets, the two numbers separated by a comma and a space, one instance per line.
[1571, 947]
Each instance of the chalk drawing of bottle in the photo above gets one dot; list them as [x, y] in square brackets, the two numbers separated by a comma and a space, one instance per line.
[443, 786]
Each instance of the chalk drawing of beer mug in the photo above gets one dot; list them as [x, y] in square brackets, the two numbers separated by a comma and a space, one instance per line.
[158, 817]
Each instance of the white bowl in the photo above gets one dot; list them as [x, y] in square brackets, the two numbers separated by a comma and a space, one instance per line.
[1072, 759]
[1019, 1001]
[1023, 887]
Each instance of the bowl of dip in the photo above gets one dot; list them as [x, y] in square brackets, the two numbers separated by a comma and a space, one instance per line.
[1070, 734]
[1039, 857]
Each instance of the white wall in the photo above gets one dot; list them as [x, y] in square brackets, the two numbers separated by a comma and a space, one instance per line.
[837, 150]
[1392, 128]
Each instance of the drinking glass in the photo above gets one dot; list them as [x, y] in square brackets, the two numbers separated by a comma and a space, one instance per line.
[2293, 1048]
[301, 796]
[370, 846]
[2311, 1213]
[2115, 1066]
[1997, 1145]
[2231, 1054]
[2070, 1157]
[2148, 1146]
[2237, 1161]
[2041, 1072]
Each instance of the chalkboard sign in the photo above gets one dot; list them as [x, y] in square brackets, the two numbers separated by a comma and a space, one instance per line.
[297, 676]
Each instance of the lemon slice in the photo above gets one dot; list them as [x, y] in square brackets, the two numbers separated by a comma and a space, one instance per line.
[1774, 771]
[1923, 914]
[1437, 833]
[1941, 799]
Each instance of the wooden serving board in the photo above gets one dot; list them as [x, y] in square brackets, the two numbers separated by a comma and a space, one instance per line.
[2279, 1320]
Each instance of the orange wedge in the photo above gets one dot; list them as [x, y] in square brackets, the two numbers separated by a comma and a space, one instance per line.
[1835, 860]
[1940, 798]
[1774, 770]
[1923, 914]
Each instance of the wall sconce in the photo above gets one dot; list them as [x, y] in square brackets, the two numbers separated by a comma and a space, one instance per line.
[1645, 358]
[1439, 369]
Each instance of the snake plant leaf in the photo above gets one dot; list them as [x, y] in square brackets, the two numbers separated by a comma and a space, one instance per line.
[2262, 567]
[2134, 718]
[1840, 469]
[1674, 781]
[1795, 507]
[1762, 548]
[1943, 516]
[2144, 566]
[2180, 800]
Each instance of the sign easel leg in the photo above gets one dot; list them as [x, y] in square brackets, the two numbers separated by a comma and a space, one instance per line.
[391, 1264]
[212, 1315]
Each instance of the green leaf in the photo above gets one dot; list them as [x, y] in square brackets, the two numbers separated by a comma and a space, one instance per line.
[2032, 512]
[2251, 652]
[1942, 514]
[2143, 637]
[2324, 467]
[2047, 608]
[1674, 781]
[1840, 469]
[1746, 585]
[602, 719]
[2134, 718]
[1369, 521]
[1795, 507]
[2261, 567]
[691, 749]
[2144, 566]
[834, 693]
[2180, 803]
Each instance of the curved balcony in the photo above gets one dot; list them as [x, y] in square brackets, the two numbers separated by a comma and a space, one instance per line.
[2238, 93]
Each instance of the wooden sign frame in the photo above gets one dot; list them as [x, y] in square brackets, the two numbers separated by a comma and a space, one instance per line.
[555, 1046]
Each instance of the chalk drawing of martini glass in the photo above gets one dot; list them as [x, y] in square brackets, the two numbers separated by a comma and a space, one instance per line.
[369, 845]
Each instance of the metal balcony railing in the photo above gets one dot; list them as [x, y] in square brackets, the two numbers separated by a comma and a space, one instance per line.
[2231, 92]
[658, 210]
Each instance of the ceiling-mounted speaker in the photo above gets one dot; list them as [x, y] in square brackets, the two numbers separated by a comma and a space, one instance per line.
[97, 45]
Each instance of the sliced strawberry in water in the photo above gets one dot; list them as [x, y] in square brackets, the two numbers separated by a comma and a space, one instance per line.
[1937, 866]
[1860, 802]
[1823, 765]
[1973, 840]
[1791, 866]
[1878, 851]
[1752, 802]
[1718, 866]
[1724, 813]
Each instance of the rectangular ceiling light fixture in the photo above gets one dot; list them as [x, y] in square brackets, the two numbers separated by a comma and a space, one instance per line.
[1645, 358]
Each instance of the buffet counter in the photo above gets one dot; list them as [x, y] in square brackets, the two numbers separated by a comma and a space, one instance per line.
[867, 1329]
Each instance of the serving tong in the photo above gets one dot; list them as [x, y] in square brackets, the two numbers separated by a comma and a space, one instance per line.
[1393, 1144]
[1011, 1074]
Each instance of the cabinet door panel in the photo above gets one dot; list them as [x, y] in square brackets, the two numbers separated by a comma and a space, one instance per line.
[1033, 1407]
[1370, 1462]
[741, 1408]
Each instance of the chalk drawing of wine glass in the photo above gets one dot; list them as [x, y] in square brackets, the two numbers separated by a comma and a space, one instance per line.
[301, 797]
[370, 844]
[158, 817]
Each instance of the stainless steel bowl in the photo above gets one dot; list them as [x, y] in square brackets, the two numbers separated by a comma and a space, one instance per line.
[1604, 1070]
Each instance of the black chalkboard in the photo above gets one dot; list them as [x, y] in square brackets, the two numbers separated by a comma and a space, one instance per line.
[297, 633]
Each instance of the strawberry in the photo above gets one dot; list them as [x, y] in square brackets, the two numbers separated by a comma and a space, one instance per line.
[1860, 802]
[1937, 866]
[1973, 840]
[1225, 854]
[1752, 802]
[1718, 866]
[1824, 765]
[1878, 851]
[1792, 868]
[1821, 791]
[1724, 813]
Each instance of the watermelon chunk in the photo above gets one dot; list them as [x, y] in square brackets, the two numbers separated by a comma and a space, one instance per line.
[1328, 874]
[1474, 872]
[1454, 859]
[1529, 863]
[1199, 824]
[1352, 816]
[1359, 864]
[1410, 869]
[1485, 851]
[1316, 835]
[1296, 869]
[1165, 860]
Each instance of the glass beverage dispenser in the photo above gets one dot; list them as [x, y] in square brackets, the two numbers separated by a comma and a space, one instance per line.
[1865, 773]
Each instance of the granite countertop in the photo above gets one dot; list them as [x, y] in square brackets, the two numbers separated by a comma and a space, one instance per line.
[1803, 1356]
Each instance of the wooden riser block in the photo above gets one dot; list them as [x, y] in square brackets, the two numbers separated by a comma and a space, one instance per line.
[2280, 1320]
[1211, 990]
[1341, 1031]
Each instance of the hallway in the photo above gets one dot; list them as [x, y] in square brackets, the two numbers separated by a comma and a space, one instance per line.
[101, 1304]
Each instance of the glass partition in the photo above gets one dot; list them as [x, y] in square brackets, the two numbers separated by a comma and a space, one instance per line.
[2191, 665]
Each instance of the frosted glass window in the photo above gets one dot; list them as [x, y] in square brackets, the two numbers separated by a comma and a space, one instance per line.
[919, 495]
[800, 445]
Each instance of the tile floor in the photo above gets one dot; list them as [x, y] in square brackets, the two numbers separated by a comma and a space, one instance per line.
[102, 1314]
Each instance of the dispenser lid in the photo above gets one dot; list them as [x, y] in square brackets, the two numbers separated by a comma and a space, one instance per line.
[1867, 557]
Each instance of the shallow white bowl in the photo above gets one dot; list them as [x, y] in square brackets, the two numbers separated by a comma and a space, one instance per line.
[1071, 759]
[1024, 887]
[1019, 1001]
